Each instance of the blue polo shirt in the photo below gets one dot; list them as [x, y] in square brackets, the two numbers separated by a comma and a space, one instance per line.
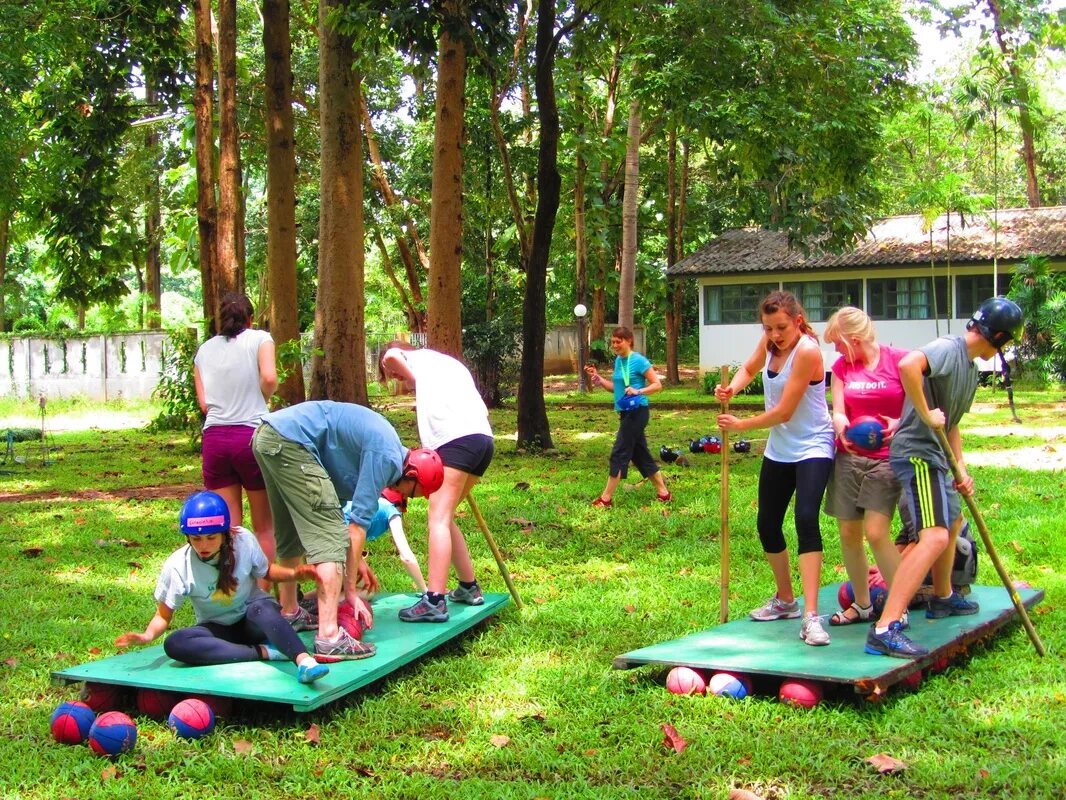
[358, 448]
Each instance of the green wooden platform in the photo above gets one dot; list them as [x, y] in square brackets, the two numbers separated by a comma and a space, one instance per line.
[775, 649]
[398, 643]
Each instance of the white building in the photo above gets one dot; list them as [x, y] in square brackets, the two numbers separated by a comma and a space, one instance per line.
[895, 273]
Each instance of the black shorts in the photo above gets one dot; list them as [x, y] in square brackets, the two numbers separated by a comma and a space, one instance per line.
[471, 454]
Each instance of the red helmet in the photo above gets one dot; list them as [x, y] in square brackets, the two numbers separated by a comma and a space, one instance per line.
[425, 466]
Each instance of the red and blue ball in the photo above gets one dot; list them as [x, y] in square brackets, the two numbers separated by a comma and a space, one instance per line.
[71, 722]
[191, 719]
[113, 733]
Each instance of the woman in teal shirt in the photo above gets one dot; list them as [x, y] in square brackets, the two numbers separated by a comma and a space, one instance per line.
[633, 380]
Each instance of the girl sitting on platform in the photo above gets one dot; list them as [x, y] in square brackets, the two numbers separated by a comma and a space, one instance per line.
[235, 619]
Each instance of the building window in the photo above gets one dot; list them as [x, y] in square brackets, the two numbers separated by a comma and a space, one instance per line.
[735, 304]
[972, 290]
[821, 298]
[906, 298]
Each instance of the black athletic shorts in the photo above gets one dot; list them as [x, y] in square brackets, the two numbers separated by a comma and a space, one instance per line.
[471, 454]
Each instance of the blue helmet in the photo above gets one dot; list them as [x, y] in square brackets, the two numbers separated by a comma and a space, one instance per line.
[204, 512]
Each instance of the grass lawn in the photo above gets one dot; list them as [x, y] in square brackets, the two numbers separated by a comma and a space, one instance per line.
[528, 705]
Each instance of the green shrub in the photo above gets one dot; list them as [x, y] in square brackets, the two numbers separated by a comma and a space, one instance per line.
[711, 380]
[177, 389]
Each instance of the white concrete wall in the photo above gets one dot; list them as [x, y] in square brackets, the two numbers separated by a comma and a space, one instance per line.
[96, 367]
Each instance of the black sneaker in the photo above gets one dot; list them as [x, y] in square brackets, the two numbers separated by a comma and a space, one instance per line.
[954, 606]
[425, 611]
[893, 642]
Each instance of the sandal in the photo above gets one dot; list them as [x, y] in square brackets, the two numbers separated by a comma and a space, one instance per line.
[599, 502]
[862, 614]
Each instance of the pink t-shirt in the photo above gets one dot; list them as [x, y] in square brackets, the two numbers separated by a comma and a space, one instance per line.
[872, 392]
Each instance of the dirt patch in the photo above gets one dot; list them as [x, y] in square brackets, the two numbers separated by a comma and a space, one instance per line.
[177, 491]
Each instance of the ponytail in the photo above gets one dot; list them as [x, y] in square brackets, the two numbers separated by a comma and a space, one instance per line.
[234, 314]
[227, 563]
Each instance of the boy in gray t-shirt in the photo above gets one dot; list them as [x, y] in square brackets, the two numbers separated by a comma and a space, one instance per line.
[940, 380]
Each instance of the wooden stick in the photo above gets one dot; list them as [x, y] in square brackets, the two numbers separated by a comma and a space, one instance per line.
[986, 537]
[723, 615]
[495, 550]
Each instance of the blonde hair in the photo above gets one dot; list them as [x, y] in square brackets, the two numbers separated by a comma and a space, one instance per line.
[847, 323]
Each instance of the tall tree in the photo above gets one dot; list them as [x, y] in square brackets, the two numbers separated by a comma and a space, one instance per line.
[206, 202]
[230, 204]
[153, 289]
[444, 321]
[339, 365]
[630, 202]
[281, 194]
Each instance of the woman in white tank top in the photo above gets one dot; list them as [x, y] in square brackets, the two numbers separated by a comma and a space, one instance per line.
[798, 456]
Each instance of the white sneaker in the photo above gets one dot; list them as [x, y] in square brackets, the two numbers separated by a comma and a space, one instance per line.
[812, 631]
[776, 609]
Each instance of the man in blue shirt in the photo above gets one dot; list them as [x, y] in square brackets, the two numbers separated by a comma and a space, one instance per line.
[313, 454]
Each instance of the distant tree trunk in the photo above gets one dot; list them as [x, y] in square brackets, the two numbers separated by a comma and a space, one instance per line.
[136, 257]
[598, 312]
[1021, 93]
[153, 292]
[673, 320]
[5, 244]
[409, 309]
[629, 219]
[533, 428]
[444, 324]
[206, 208]
[281, 193]
[230, 269]
[379, 178]
[340, 372]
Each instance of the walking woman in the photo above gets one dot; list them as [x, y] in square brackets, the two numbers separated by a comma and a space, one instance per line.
[235, 376]
[633, 379]
[798, 456]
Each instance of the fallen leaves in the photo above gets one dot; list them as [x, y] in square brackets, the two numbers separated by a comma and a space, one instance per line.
[673, 739]
[312, 734]
[32, 552]
[886, 764]
[242, 747]
[499, 740]
[743, 794]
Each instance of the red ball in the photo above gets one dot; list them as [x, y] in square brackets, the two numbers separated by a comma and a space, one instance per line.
[799, 692]
[914, 680]
[155, 703]
[191, 719]
[71, 722]
[101, 696]
[346, 619]
[685, 680]
[875, 578]
[941, 664]
[220, 705]
[112, 733]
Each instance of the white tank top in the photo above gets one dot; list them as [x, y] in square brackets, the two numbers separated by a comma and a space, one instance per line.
[809, 434]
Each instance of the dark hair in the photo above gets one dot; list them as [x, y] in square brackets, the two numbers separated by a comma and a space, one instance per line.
[400, 344]
[234, 314]
[227, 562]
[787, 302]
[622, 332]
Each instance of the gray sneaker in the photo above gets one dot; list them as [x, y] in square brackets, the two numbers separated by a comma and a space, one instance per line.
[425, 611]
[812, 631]
[776, 609]
[301, 620]
[470, 597]
[345, 648]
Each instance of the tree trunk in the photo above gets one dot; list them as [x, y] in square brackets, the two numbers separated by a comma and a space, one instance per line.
[206, 208]
[444, 326]
[673, 321]
[5, 242]
[281, 195]
[598, 312]
[533, 428]
[153, 292]
[409, 309]
[1021, 94]
[339, 373]
[629, 219]
[379, 178]
[230, 270]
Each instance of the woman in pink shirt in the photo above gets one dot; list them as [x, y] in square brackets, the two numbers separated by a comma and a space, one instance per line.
[863, 491]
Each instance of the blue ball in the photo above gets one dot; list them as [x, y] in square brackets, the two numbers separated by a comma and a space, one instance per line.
[866, 433]
[112, 733]
[71, 722]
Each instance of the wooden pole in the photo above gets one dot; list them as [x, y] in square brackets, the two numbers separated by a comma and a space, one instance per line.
[723, 604]
[986, 537]
[495, 550]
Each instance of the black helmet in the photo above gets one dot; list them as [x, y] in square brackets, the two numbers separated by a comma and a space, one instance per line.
[998, 319]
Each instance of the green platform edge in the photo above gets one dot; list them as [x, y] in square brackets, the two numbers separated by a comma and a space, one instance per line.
[774, 648]
[398, 644]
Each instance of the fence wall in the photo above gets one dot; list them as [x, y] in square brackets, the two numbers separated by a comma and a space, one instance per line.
[98, 367]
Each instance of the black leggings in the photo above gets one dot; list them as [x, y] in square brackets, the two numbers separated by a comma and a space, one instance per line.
[777, 483]
[630, 444]
[214, 643]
